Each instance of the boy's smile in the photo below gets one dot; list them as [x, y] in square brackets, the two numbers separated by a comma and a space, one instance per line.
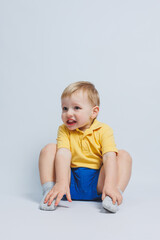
[77, 111]
[71, 122]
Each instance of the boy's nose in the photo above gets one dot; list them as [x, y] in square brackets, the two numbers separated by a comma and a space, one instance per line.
[69, 113]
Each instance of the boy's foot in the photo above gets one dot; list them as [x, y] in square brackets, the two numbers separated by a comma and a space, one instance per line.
[108, 205]
[46, 188]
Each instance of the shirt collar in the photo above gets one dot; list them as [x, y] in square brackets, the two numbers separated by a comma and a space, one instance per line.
[95, 125]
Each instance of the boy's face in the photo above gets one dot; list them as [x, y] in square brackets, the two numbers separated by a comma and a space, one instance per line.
[77, 111]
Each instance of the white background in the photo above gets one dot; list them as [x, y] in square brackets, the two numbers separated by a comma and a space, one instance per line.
[46, 45]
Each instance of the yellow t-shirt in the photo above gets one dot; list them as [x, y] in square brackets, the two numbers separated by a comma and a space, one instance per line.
[87, 148]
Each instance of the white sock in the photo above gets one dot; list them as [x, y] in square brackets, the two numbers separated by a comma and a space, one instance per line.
[108, 205]
[46, 187]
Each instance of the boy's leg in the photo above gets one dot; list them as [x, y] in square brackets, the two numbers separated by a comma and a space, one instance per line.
[46, 163]
[47, 172]
[124, 166]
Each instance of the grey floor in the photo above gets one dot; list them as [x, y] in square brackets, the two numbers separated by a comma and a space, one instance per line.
[138, 218]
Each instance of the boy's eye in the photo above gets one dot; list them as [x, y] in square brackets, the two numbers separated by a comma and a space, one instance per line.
[64, 108]
[76, 107]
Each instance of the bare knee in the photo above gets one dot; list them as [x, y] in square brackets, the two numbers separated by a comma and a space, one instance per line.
[49, 149]
[123, 154]
[47, 154]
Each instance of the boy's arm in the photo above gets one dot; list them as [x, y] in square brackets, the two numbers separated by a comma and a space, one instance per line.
[110, 183]
[62, 165]
[62, 170]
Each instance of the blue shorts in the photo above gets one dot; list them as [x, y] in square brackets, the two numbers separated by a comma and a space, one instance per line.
[84, 184]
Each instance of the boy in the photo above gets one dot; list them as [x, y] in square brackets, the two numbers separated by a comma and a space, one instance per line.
[85, 164]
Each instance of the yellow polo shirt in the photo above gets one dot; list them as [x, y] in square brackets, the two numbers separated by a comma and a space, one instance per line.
[87, 148]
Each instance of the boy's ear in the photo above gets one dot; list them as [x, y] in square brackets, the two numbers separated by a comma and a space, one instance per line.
[95, 111]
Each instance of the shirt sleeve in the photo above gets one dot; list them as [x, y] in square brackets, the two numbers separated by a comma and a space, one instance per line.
[107, 140]
[63, 138]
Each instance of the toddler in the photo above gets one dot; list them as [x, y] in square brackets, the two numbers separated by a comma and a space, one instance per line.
[85, 163]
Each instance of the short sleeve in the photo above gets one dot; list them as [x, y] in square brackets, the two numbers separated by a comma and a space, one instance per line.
[63, 137]
[107, 140]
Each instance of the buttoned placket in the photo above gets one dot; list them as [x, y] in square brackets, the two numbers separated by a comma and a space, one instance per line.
[83, 143]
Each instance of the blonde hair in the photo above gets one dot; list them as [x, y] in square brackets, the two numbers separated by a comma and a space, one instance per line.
[85, 86]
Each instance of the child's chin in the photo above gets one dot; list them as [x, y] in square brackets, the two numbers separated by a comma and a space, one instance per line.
[71, 127]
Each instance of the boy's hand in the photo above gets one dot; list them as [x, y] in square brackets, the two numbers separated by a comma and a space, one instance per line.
[112, 192]
[57, 192]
